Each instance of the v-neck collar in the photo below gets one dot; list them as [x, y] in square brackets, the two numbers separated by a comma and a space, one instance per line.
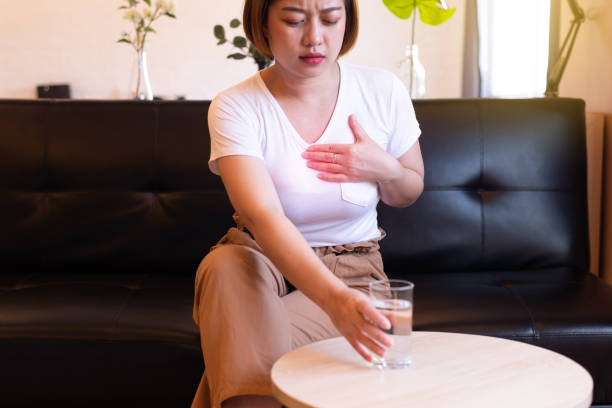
[299, 139]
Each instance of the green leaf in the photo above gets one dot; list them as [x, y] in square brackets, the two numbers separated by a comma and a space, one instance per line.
[401, 8]
[237, 56]
[221, 42]
[124, 40]
[170, 15]
[148, 2]
[150, 30]
[235, 23]
[123, 8]
[431, 13]
[132, 3]
[220, 32]
[239, 41]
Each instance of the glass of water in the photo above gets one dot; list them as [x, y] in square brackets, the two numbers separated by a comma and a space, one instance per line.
[393, 298]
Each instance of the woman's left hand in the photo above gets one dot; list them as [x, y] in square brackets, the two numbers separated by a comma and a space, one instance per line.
[363, 160]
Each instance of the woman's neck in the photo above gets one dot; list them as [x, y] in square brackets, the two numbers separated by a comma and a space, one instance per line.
[284, 85]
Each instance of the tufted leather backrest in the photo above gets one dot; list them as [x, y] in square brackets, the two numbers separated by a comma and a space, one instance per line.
[107, 186]
[505, 189]
[110, 186]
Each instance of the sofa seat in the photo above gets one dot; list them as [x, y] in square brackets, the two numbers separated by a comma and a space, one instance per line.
[110, 337]
[120, 324]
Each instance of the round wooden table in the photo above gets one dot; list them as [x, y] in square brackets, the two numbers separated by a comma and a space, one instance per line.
[448, 370]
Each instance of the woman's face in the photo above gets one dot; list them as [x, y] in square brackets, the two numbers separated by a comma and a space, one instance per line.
[305, 36]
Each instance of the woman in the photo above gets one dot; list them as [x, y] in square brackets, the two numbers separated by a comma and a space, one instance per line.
[305, 149]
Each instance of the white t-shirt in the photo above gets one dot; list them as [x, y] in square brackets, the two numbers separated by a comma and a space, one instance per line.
[247, 120]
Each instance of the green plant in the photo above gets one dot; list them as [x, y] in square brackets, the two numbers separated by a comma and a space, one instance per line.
[142, 14]
[432, 12]
[246, 48]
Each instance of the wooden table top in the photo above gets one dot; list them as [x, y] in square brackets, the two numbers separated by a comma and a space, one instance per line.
[448, 370]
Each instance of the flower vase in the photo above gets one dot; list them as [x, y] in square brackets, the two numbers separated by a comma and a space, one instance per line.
[143, 86]
[412, 72]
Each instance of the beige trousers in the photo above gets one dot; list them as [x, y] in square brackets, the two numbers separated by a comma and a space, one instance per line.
[248, 319]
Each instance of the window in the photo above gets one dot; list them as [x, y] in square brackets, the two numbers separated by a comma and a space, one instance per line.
[513, 47]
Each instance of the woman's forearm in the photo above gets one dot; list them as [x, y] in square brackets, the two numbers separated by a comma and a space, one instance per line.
[402, 183]
[403, 190]
[288, 250]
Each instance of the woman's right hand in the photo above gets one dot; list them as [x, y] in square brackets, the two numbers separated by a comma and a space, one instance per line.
[359, 322]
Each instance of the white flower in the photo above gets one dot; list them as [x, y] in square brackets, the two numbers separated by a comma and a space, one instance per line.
[166, 6]
[132, 15]
[142, 17]
[148, 13]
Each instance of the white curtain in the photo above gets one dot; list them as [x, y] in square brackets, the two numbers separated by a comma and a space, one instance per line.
[514, 43]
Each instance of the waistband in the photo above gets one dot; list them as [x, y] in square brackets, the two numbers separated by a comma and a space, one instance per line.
[361, 247]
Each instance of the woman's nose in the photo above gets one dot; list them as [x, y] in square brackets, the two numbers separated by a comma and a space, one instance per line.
[312, 36]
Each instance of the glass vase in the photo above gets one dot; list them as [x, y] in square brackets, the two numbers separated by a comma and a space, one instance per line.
[412, 72]
[143, 90]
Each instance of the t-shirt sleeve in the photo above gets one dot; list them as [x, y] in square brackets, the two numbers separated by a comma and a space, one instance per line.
[233, 131]
[404, 127]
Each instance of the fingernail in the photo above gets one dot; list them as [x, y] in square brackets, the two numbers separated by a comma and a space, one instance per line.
[388, 341]
[386, 324]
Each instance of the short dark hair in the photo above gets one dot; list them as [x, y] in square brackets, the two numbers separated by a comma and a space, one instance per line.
[255, 15]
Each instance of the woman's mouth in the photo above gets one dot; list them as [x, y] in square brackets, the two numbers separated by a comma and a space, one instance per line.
[312, 59]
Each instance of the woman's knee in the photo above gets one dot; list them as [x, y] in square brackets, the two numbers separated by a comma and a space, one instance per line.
[225, 261]
[232, 264]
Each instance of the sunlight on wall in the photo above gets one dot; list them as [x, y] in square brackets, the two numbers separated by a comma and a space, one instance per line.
[589, 70]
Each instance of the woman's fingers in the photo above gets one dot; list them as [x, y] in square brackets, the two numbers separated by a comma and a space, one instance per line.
[371, 345]
[360, 348]
[368, 326]
[370, 341]
[377, 335]
[373, 321]
[359, 133]
[370, 313]
[360, 323]
[334, 177]
[325, 156]
[340, 148]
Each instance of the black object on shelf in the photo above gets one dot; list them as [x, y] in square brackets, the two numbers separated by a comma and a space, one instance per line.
[53, 91]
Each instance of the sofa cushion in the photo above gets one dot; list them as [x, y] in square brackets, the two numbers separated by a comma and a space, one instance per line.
[114, 340]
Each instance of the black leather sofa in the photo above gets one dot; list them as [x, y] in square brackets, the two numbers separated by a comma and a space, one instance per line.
[107, 207]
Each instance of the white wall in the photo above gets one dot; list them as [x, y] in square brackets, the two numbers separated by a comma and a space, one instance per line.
[74, 41]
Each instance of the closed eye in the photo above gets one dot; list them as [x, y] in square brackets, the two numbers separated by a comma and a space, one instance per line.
[294, 23]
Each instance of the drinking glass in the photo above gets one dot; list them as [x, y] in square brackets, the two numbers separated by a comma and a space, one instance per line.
[393, 297]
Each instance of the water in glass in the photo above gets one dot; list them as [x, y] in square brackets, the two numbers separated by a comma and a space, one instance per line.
[399, 313]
